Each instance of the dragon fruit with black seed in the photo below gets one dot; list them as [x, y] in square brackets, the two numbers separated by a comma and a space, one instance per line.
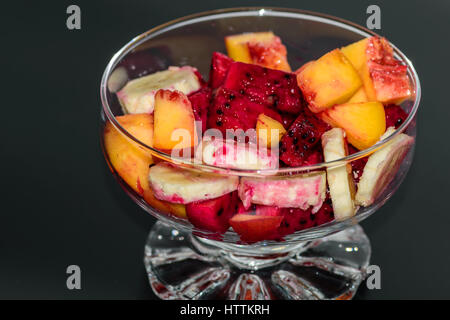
[213, 215]
[200, 101]
[273, 88]
[297, 219]
[232, 110]
[395, 115]
[287, 119]
[220, 64]
[298, 144]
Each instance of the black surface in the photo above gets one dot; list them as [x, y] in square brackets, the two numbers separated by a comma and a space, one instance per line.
[61, 206]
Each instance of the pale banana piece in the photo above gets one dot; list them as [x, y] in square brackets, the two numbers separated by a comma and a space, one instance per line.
[234, 155]
[177, 185]
[301, 191]
[381, 167]
[340, 181]
[138, 95]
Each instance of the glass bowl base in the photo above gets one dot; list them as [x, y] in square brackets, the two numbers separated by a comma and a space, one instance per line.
[182, 266]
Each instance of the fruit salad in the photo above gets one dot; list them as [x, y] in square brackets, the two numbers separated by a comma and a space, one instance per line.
[255, 113]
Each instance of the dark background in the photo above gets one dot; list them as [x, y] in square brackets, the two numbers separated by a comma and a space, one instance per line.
[61, 206]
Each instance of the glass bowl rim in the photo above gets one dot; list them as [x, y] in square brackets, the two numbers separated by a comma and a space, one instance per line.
[255, 11]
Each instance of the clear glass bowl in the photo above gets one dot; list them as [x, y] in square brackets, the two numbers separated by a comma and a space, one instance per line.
[183, 262]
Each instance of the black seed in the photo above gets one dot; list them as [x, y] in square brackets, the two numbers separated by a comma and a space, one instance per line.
[291, 133]
[248, 75]
[241, 91]
[297, 148]
[399, 121]
[276, 82]
[275, 103]
[312, 140]
[283, 149]
[312, 216]
[303, 221]
[287, 76]
[305, 147]
[220, 212]
[295, 140]
[232, 96]
[328, 201]
[304, 136]
[286, 224]
[219, 123]
[227, 105]
[219, 112]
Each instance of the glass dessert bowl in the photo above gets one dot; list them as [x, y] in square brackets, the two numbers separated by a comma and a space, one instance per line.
[253, 231]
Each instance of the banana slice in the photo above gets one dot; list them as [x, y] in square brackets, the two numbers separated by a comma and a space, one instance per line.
[340, 181]
[183, 186]
[300, 191]
[138, 95]
[381, 167]
[234, 155]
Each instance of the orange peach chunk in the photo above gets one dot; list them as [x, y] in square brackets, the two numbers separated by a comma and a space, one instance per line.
[174, 121]
[261, 48]
[359, 96]
[328, 81]
[364, 123]
[128, 159]
[385, 78]
[269, 131]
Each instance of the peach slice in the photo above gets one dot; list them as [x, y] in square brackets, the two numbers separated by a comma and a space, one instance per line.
[328, 81]
[269, 131]
[174, 121]
[130, 160]
[385, 78]
[359, 96]
[261, 48]
[253, 228]
[364, 123]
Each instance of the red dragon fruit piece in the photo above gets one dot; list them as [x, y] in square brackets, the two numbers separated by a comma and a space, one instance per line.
[213, 215]
[273, 88]
[395, 115]
[316, 156]
[231, 110]
[357, 165]
[297, 219]
[220, 64]
[287, 119]
[200, 101]
[303, 135]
